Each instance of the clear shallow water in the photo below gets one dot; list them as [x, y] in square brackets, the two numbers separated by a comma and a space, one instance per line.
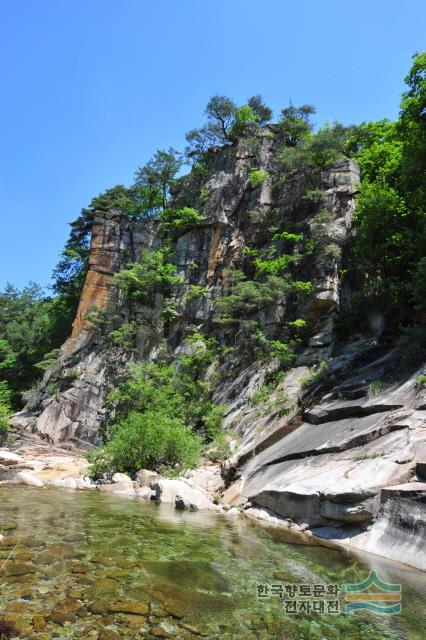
[88, 565]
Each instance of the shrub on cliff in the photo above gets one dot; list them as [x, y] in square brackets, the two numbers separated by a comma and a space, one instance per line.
[152, 271]
[180, 219]
[256, 177]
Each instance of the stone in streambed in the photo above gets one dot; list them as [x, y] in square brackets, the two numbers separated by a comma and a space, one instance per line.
[145, 477]
[98, 607]
[18, 569]
[136, 608]
[61, 617]
[66, 483]
[121, 477]
[8, 458]
[39, 623]
[166, 491]
[23, 477]
[121, 488]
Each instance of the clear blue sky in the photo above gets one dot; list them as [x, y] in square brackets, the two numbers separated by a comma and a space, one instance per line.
[91, 88]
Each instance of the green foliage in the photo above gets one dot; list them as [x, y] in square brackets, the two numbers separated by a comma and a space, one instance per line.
[298, 323]
[50, 359]
[295, 125]
[32, 324]
[314, 375]
[169, 310]
[246, 297]
[327, 145]
[157, 177]
[385, 237]
[283, 351]
[412, 129]
[195, 291]
[245, 122]
[376, 387]
[284, 235]
[273, 266]
[256, 177]
[163, 416]
[152, 273]
[390, 219]
[220, 111]
[150, 440]
[333, 251]
[226, 123]
[5, 406]
[261, 111]
[421, 381]
[180, 219]
[124, 336]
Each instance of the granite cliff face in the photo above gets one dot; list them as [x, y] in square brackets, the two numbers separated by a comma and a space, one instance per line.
[341, 454]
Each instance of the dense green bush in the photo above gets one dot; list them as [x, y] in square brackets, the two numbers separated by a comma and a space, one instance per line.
[180, 219]
[164, 415]
[152, 272]
[5, 406]
[256, 177]
[246, 297]
[150, 440]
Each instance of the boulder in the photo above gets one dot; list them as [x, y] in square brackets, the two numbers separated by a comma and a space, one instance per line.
[184, 505]
[121, 477]
[8, 458]
[145, 493]
[67, 483]
[23, 477]
[145, 477]
[121, 488]
[169, 490]
[85, 483]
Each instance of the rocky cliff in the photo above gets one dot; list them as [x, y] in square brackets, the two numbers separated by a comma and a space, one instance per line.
[338, 447]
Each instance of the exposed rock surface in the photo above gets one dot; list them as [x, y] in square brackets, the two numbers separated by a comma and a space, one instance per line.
[342, 456]
[182, 495]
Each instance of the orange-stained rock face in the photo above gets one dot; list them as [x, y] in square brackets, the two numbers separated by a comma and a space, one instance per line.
[104, 262]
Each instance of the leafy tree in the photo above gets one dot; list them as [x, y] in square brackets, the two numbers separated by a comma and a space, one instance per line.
[245, 122]
[262, 112]
[31, 325]
[158, 176]
[390, 218]
[295, 124]
[412, 128]
[220, 111]
[5, 406]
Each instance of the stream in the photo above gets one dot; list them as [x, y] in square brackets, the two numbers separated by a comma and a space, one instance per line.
[80, 564]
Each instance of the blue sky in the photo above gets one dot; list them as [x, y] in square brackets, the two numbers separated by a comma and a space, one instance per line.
[91, 88]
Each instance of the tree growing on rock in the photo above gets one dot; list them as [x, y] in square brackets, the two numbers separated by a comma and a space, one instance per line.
[158, 175]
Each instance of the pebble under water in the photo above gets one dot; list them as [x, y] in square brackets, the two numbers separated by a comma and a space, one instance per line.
[87, 565]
